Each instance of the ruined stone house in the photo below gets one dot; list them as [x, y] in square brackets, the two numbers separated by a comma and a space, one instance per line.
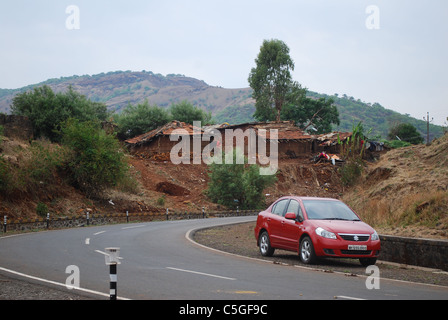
[290, 140]
[157, 144]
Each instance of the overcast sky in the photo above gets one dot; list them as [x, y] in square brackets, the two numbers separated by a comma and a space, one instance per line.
[394, 53]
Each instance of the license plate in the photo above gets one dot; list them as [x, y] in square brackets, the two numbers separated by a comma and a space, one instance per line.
[356, 247]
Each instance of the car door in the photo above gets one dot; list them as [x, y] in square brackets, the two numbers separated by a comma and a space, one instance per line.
[292, 229]
[275, 223]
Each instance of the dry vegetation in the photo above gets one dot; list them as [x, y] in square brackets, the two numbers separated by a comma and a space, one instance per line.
[405, 192]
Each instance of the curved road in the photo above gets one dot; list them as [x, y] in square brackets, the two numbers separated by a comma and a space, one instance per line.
[160, 262]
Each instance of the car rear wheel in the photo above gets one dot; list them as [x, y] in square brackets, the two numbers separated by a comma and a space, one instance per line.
[306, 251]
[265, 245]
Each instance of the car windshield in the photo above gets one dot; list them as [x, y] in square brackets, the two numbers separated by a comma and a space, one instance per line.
[328, 210]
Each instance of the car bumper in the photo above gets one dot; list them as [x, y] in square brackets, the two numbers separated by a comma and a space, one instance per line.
[347, 249]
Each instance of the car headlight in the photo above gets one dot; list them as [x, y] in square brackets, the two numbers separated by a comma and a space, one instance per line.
[375, 236]
[324, 233]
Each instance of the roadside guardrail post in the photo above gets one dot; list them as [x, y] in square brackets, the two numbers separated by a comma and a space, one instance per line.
[4, 223]
[166, 214]
[88, 218]
[112, 258]
[127, 216]
[48, 220]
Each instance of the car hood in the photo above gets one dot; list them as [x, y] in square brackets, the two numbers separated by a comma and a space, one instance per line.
[340, 226]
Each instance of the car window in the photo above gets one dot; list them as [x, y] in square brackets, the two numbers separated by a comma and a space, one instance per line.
[293, 207]
[328, 210]
[279, 207]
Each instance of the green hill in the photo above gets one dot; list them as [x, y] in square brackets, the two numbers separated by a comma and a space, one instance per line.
[120, 88]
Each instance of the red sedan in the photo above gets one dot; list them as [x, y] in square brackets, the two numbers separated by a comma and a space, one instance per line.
[316, 227]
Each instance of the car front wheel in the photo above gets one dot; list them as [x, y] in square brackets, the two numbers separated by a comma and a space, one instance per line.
[265, 245]
[306, 251]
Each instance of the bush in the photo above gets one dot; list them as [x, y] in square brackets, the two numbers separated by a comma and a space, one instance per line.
[47, 110]
[406, 132]
[186, 112]
[350, 172]
[42, 165]
[235, 185]
[139, 119]
[41, 209]
[95, 160]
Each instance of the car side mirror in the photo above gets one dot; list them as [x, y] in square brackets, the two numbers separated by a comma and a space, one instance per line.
[290, 216]
[293, 216]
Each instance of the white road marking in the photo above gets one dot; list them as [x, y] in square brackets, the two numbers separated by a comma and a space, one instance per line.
[201, 273]
[99, 251]
[348, 298]
[133, 227]
[106, 254]
[97, 233]
[58, 284]
[87, 241]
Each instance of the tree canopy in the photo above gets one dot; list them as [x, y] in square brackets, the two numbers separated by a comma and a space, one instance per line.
[278, 97]
[186, 112]
[406, 132]
[141, 118]
[271, 79]
[318, 114]
[47, 110]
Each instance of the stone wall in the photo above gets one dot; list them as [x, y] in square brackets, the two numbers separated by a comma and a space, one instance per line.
[418, 252]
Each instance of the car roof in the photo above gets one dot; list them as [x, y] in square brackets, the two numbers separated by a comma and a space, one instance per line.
[307, 198]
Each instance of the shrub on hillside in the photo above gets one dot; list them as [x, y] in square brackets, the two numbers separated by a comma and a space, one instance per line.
[235, 185]
[95, 160]
[47, 110]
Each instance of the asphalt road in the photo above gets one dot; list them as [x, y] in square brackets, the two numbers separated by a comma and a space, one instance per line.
[159, 262]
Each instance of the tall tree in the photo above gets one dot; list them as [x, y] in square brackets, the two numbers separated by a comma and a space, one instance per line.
[271, 79]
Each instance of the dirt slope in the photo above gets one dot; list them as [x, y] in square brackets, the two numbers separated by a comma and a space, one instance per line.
[406, 191]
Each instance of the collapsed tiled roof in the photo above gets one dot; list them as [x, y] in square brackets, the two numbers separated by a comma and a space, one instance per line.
[164, 130]
[331, 138]
[287, 131]
[286, 135]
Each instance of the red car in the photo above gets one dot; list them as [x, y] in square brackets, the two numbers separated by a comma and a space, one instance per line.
[316, 227]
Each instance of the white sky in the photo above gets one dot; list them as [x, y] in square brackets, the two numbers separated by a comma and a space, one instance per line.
[402, 65]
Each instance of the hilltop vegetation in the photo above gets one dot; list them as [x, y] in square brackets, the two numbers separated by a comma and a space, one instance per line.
[118, 89]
